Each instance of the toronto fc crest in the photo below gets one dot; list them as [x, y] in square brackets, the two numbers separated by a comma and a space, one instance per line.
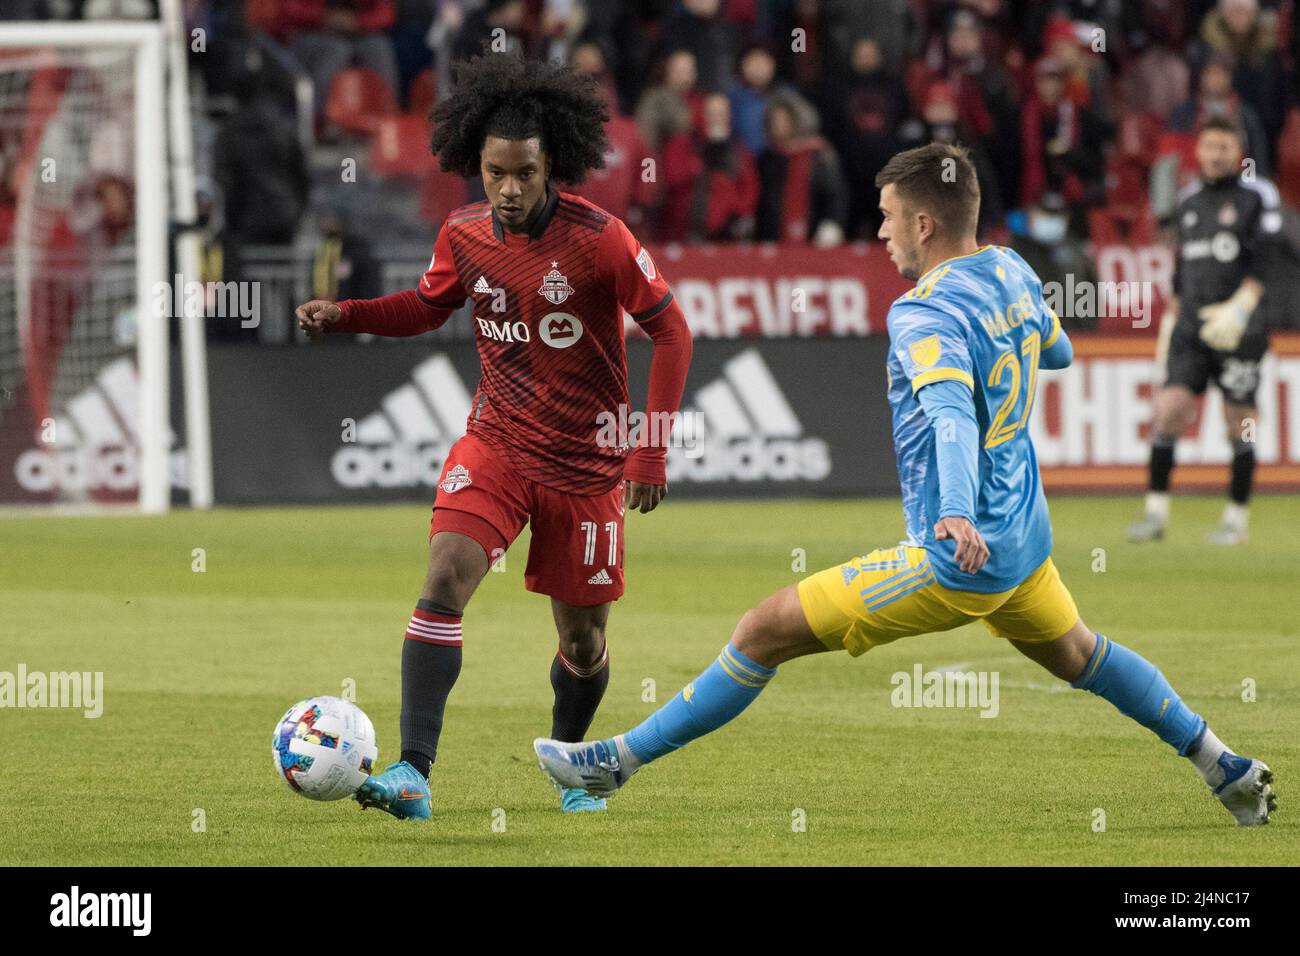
[457, 478]
[555, 287]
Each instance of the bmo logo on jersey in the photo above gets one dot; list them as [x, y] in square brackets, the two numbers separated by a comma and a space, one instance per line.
[559, 330]
[504, 331]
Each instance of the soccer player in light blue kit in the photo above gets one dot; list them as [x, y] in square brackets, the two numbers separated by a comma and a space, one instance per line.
[966, 345]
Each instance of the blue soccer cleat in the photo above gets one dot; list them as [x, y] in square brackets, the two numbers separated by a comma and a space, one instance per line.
[591, 766]
[574, 800]
[399, 790]
[1246, 790]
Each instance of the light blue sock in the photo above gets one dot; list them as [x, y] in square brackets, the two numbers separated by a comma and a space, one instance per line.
[717, 696]
[1138, 689]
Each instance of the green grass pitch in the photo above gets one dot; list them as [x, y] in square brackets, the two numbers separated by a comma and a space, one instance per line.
[199, 666]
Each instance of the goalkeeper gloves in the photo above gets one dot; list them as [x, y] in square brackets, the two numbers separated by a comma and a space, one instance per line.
[1224, 323]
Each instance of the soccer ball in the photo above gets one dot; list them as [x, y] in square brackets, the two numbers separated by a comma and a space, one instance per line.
[324, 748]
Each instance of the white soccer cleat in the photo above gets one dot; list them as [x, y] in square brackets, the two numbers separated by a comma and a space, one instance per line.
[1150, 528]
[1247, 792]
[1226, 535]
[593, 766]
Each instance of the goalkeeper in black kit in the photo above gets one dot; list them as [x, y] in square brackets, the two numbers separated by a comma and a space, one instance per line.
[1229, 227]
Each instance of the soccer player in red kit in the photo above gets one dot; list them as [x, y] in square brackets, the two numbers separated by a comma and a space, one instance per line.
[549, 274]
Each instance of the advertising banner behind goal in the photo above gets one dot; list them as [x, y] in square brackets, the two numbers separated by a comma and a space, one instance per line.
[350, 423]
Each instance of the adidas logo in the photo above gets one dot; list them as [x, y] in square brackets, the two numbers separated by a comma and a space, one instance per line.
[405, 442]
[481, 286]
[93, 445]
[750, 432]
[600, 577]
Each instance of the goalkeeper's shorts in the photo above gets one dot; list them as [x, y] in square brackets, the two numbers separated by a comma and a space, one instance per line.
[887, 594]
[1194, 364]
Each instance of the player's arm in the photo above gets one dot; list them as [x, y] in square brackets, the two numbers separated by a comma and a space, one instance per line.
[935, 359]
[1057, 352]
[640, 289]
[405, 313]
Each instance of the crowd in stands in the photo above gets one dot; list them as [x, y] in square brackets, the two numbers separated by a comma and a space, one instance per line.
[767, 119]
[755, 120]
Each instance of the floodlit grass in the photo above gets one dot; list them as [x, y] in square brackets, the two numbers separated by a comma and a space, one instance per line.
[198, 667]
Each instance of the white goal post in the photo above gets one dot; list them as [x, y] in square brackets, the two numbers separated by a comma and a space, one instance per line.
[83, 123]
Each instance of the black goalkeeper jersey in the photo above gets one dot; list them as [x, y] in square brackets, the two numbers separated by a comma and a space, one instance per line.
[1227, 230]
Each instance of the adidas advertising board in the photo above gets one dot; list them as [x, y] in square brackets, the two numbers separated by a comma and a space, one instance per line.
[85, 447]
[351, 422]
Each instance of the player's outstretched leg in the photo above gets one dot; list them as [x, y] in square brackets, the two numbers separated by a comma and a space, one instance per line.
[768, 635]
[431, 657]
[1138, 689]
[579, 676]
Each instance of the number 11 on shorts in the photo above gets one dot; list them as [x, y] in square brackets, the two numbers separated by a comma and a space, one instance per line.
[589, 531]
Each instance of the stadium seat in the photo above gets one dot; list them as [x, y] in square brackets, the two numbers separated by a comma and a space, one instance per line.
[400, 147]
[358, 100]
[423, 93]
[441, 193]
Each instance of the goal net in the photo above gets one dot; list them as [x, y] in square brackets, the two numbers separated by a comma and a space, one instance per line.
[83, 233]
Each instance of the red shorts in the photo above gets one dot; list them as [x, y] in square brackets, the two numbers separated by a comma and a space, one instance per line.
[576, 555]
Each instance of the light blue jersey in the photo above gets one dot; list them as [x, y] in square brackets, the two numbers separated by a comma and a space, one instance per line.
[978, 320]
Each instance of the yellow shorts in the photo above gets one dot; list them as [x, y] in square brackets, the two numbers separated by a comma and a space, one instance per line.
[892, 593]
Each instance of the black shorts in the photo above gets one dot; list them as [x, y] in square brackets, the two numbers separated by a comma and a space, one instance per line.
[1194, 364]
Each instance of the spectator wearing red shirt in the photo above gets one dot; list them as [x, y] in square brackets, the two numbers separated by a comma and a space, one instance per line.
[625, 186]
[710, 182]
[802, 194]
[1061, 147]
[1087, 84]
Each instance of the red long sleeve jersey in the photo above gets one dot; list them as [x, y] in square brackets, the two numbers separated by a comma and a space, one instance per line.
[550, 335]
